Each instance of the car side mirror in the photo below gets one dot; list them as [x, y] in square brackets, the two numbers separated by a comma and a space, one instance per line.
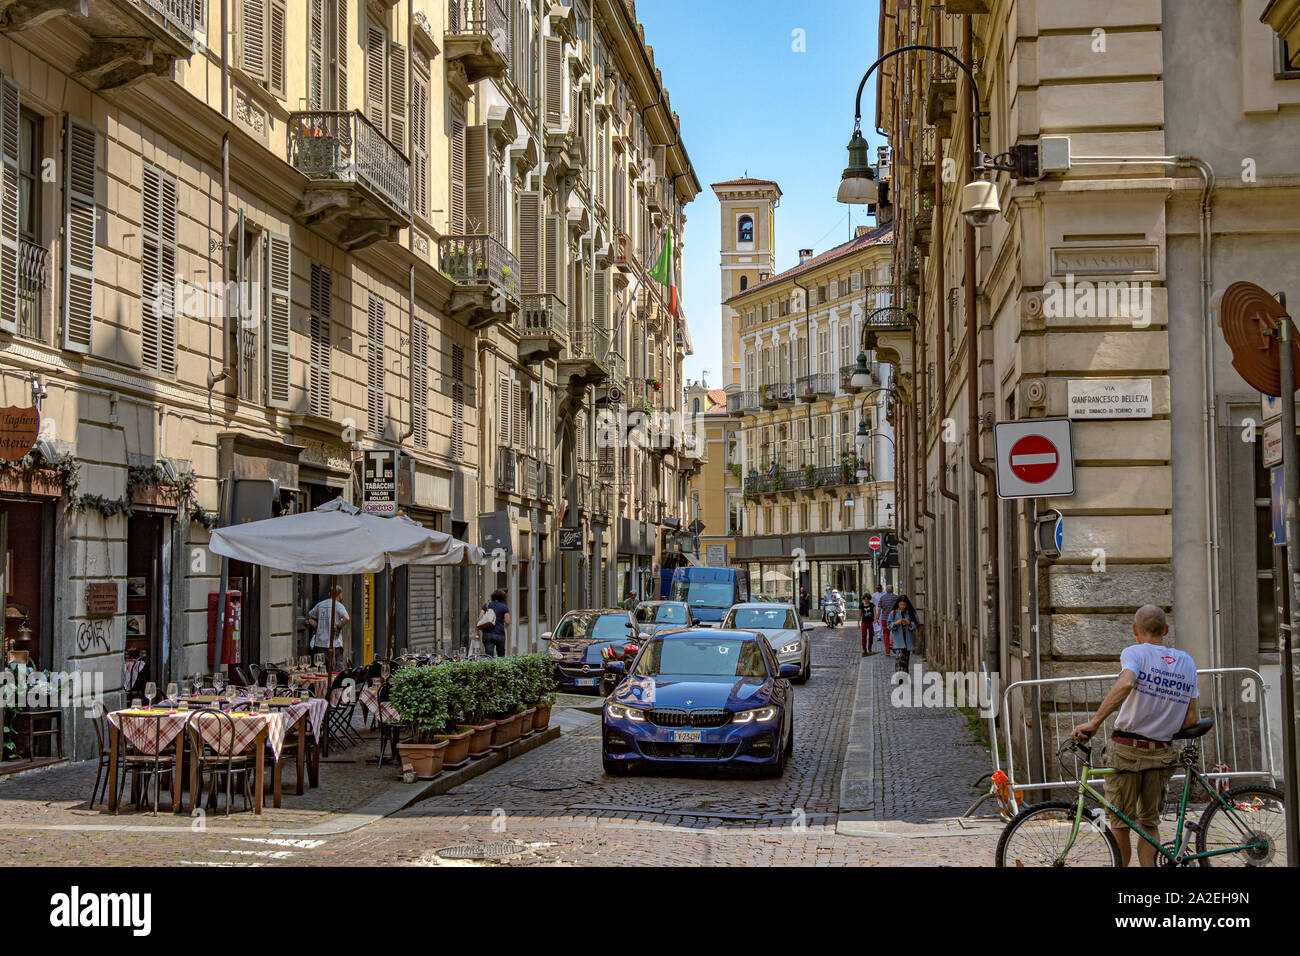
[788, 671]
[546, 636]
[807, 626]
[616, 667]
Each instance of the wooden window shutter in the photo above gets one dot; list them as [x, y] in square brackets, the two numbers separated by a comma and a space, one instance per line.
[420, 384]
[497, 210]
[79, 142]
[321, 350]
[276, 43]
[9, 106]
[278, 273]
[554, 81]
[554, 235]
[420, 142]
[517, 414]
[503, 410]
[376, 75]
[457, 402]
[158, 272]
[600, 303]
[530, 241]
[316, 55]
[457, 184]
[252, 38]
[397, 97]
[376, 400]
[477, 202]
[341, 43]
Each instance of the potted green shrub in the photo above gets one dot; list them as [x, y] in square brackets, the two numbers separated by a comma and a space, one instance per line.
[544, 688]
[520, 676]
[459, 697]
[473, 676]
[419, 695]
[503, 701]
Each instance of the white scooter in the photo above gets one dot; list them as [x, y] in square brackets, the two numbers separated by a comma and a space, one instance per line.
[833, 611]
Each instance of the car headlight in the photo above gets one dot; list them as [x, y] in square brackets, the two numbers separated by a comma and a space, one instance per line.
[620, 712]
[760, 715]
[790, 648]
[555, 653]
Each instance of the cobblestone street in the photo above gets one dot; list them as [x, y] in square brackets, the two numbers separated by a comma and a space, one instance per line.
[554, 805]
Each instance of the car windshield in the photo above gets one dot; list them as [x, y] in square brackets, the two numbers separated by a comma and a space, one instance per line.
[598, 627]
[704, 593]
[703, 657]
[661, 614]
[764, 618]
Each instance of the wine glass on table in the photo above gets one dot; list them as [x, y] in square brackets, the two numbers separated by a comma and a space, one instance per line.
[173, 692]
[271, 678]
[150, 692]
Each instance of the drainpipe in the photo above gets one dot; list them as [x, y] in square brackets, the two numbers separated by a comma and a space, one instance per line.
[992, 650]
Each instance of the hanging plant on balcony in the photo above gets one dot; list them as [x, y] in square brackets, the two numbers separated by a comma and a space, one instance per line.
[654, 384]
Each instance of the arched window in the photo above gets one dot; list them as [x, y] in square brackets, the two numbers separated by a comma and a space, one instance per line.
[696, 406]
[745, 229]
[744, 283]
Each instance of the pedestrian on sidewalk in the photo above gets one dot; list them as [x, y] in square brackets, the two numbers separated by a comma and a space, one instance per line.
[884, 611]
[868, 626]
[804, 597]
[877, 622]
[902, 624]
[494, 636]
[1156, 696]
[319, 617]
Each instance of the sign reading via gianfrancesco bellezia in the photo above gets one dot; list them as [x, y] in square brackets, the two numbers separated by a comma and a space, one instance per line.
[1110, 398]
[1035, 458]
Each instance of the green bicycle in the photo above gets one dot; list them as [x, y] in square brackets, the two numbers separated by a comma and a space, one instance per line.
[1246, 826]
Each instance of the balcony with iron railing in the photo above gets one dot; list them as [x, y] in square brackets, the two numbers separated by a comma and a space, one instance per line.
[776, 394]
[486, 274]
[530, 474]
[586, 361]
[507, 470]
[645, 394]
[740, 404]
[358, 180]
[478, 37]
[811, 388]
[543, 327]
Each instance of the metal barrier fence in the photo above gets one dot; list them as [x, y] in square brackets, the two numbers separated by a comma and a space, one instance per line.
[1239, 746]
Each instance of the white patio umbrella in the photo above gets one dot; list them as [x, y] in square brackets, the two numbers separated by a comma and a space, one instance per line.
[775, 576]
[336, 538]
[461, 554]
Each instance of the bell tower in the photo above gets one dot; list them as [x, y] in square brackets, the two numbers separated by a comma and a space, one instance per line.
[748, 246]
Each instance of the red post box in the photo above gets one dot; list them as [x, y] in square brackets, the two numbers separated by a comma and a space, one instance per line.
[230, 640]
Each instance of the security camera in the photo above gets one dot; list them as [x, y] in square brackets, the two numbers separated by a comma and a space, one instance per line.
[979, 203]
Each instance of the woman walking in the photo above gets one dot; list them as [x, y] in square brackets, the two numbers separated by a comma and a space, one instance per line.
[868, 625]
[902, 625]
[494, 634]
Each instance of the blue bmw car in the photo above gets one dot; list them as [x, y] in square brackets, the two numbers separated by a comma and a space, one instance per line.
[701, 697]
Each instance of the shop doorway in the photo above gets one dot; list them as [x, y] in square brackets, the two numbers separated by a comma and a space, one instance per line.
[147, 631]
[247, 580]
[27, 550]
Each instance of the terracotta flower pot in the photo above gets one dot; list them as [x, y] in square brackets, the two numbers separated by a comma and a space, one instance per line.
[526, 722]
[457, 752]
[507, 731]
[424, 759]
[542, 719]
[480, 739]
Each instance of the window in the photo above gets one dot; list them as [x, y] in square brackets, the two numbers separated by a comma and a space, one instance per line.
[33, 258]
[319, 379]
[158, 272]
[327, 55]
[376, 403]
[745, 229]
[744, 283]
[542, 548]
[1286, 61]
[261, 41]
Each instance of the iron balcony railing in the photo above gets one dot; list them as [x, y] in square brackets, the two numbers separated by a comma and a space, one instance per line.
[507, 470]
[489, 18]
[645, 391]
[742, 403]
[530, 475]
[179, 14]
[589, 344]
[542, 314]
[809, 387]
[617, 368]
[33, 279]
[481, 260]
[775, 393]
[344, 146]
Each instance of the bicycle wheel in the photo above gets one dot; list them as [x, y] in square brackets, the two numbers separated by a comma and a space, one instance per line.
[1039, 834]
[1260, 817]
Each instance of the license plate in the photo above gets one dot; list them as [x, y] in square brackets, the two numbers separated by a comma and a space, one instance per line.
[685, 736]
[586, 681]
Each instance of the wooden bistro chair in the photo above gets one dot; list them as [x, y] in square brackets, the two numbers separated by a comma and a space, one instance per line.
[218, 764]
[390, 731]
[149, 763]
[100, 724]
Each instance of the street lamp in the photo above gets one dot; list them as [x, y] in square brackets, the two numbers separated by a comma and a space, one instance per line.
[861, 373]
[979, 197]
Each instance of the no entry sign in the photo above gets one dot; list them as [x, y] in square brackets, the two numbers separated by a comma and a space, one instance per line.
[1035, 458]
[874, 542]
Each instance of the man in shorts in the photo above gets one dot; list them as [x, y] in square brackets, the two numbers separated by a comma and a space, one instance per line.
[1156, 696]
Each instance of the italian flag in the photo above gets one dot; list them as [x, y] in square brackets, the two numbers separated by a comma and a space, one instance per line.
[663, 272]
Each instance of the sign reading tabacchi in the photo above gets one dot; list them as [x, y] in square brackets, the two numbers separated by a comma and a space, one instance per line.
[19, 429]
[1110, 398]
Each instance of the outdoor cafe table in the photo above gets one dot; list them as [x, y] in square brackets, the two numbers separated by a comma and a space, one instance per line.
[141, 735]
[369, 701]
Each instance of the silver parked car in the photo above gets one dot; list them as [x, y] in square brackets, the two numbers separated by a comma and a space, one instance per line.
[655, 616]
[780, 625]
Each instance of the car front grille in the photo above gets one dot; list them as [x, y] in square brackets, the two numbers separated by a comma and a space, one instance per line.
[689, 751]
[681, 717]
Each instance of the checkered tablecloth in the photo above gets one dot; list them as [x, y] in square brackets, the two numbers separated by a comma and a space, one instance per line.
[215, 732]
[315, 710]
[137, 726]
[369, 701]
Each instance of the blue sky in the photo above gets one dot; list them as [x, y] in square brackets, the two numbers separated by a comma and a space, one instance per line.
[751, 105]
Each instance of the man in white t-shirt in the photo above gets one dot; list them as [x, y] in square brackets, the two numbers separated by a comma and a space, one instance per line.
[1156, 696]
[319, 618]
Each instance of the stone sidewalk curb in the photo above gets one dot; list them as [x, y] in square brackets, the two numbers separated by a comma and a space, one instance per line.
[858, 779]
[402, 795]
